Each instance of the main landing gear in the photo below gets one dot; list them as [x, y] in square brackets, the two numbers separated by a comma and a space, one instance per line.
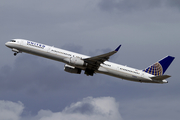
[89, 72]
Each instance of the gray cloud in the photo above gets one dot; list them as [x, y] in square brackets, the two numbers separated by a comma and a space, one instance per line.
[174, 3]
[84, 108]
[147, 33]
[128, 5]
[33, 79]
[124, 6]
[72, 47]
[10, 110]
[102, 108]
[147, 106]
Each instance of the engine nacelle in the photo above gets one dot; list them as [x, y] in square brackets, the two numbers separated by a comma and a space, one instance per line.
[76, 61]
[15, 50]
[72, 69]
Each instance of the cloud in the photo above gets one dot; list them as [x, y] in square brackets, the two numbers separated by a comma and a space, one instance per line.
[32, 71]
[128, 5]
[10, 110]
[161, 108]
[174, 3]
[147, 33]
[102, 108]
[134, 5]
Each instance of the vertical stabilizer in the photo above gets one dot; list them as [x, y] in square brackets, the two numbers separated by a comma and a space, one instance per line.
[160, 67]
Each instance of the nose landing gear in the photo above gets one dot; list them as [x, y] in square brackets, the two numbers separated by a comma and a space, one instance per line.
[15, 54]
[15, 51]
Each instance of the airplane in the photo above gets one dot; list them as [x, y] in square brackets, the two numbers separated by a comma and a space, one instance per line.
[75, 63]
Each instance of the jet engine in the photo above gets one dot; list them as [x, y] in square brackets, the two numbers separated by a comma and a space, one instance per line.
[15, 50]
[76, 61]
[72, 69]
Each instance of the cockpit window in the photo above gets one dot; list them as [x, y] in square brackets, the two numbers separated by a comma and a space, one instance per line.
[12, 41]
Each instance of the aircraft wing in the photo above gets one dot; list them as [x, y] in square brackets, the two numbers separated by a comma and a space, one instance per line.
[94, 62]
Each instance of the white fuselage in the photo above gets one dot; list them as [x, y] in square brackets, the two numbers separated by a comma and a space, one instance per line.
[61, 55]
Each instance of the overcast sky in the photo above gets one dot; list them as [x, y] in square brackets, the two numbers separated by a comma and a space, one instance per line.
[35, 88]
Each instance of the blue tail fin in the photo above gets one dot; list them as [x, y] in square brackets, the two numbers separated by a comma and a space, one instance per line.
[159, 67]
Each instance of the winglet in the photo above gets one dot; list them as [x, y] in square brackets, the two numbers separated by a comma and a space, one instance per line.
[117, 48]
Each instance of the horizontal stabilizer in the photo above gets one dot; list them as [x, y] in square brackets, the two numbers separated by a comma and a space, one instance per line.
[162, 77]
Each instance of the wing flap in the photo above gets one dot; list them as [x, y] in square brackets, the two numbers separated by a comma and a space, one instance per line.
[94, 62]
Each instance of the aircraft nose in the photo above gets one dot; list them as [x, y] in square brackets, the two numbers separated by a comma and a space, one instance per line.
[7, 44]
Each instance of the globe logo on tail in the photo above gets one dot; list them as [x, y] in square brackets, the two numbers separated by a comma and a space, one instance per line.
[156, 69]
